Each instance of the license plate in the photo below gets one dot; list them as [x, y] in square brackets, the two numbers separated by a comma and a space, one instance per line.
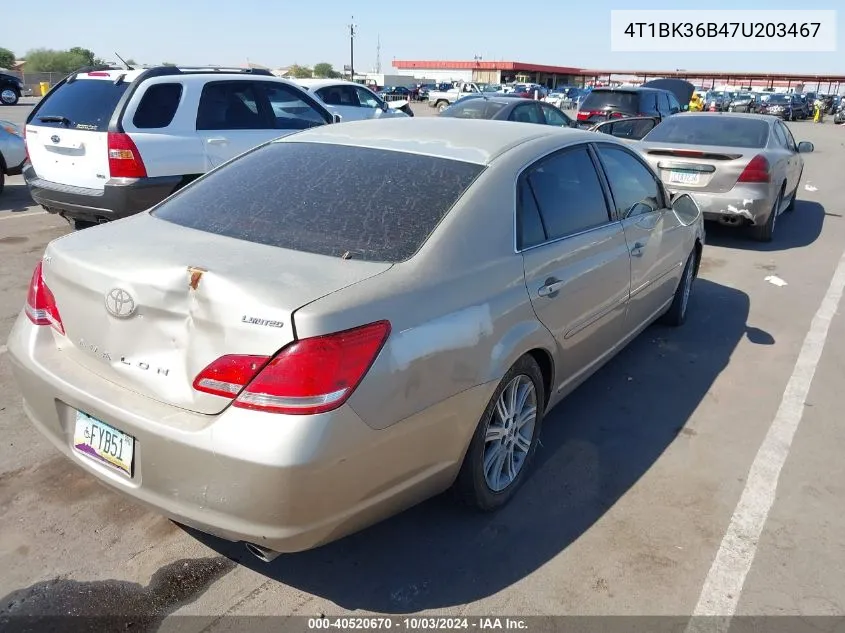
[104, 443]
[684, 177]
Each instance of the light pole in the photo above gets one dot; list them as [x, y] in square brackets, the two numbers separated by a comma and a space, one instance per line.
[352, 27]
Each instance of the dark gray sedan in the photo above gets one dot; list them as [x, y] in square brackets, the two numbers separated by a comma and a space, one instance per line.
[507, 108]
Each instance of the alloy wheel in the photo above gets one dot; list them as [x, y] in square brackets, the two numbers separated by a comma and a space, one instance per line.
[509, 433]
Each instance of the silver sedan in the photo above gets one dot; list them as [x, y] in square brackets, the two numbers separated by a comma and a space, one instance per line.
[12, 151]
[343, 322]
[742, 169]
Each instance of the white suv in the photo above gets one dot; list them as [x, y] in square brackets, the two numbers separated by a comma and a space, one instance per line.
[105, 144]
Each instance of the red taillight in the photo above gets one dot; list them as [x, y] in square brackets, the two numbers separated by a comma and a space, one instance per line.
[616, 115]
[124, 158]
[98, 74]
[310, 376]
[583, 116]
[41, 305]
[757, 170]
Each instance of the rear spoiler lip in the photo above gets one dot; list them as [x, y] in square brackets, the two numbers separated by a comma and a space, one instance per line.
[682, 153]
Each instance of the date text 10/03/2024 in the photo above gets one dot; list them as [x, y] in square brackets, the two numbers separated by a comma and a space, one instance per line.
[419, 623]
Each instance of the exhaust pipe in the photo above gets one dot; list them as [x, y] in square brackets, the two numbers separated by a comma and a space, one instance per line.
[262, 553]
[730, 220]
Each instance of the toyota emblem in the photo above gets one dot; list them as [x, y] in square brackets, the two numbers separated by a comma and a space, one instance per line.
[55, 138]
[120, 303]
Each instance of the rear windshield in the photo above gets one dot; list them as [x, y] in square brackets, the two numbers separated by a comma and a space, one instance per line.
[88, 104]
[473, 109]
[711, 130]
[600, 99]
[354, 202]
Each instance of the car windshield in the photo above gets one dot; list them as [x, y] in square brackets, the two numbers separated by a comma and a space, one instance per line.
[711, 130]
[336, 200]
[84, 104]
[616, 99]
[473, 109]
[778, 99]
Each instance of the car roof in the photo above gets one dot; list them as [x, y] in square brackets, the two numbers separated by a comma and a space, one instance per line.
[320, 83]
[733, 115]
[477, 141]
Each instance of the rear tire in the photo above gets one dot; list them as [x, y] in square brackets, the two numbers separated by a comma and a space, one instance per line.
[441, 105]
[2, 179]
[502, 448]
[676, 315]
[765, 232]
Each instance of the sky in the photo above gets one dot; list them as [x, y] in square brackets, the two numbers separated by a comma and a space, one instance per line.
[278, 34]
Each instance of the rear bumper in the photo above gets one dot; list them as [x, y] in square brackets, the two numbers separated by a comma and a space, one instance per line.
[118, 199]
[744, 204]
[288, 483]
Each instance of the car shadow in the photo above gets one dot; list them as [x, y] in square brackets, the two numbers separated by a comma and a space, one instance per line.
[15, 198]
[595, 446]
[795, 229]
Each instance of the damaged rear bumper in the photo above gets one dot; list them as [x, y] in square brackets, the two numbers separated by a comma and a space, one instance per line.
[740, 205]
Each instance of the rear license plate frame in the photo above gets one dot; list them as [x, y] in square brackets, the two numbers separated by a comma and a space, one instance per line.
[89, 435]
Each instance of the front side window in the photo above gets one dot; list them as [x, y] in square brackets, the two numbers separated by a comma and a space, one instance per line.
[568, 193]
[527, 113]
[367, 99]
[634, 187]
[290, 109]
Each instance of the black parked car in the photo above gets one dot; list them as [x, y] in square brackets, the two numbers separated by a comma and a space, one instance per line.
[718, 100]
[11, 89]
[397, 91]
[779, 105]
[614, 103]
[508, 108]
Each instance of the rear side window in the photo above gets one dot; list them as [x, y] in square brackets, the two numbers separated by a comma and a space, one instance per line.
[622, 101]
[85, 104]
[343, 201]
[568, 193]
[231, 105]
[158, 106]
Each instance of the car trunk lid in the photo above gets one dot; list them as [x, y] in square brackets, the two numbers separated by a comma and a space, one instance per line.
[699, 168]
[147, 304]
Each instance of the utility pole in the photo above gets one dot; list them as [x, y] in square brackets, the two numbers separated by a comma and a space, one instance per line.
[352, 27]
[378, 55]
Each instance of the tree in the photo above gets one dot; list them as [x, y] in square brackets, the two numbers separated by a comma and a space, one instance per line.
[52, 61]
[87, 54]
[7, 58]
[300, 72]
[325, 70]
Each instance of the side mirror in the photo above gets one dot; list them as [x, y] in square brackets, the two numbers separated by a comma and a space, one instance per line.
[336, 118]
[685, 208]
[805, 147]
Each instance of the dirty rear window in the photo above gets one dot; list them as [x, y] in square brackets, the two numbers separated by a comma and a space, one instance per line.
[355, 202]
[87, 103]
[704, 129]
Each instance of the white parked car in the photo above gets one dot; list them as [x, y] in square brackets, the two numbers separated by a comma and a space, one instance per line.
[352, 101]
[12, 151]
[105, 144]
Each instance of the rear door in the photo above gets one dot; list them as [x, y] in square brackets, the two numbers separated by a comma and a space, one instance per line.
[577, 267]
[654, 235]
[67, 138]
[231, 119]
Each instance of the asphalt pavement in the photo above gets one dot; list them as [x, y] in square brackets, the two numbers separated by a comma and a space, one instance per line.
[650, 494]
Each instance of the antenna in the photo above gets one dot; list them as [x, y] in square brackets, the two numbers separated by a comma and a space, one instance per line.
[128, 67]
[378, 55]
[352, 31]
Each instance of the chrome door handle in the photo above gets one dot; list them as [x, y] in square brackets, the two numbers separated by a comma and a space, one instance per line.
[550, 288]
[217, 141]
[637, 251]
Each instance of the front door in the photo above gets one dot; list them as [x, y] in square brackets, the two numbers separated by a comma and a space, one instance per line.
[655, 236]
[577, 267]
